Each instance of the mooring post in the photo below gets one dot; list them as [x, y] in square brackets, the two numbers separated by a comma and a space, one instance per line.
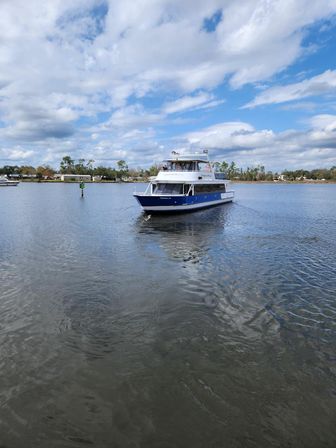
[82, 186]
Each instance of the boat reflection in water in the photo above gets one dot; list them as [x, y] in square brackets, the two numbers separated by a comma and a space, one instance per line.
[194, 251]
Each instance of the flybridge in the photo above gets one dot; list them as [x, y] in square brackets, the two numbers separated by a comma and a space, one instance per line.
[195, 157]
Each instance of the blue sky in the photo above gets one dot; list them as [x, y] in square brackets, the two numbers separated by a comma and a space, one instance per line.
[252, 81]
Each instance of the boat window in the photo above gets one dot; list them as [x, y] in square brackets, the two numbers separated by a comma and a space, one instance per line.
[168, 188]
[189, 165]
[181, 166]
[186, 188]
[220, 176]
[208, 188]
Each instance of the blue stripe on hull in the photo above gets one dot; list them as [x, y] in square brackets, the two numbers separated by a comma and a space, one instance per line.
[172, 203]
[152, 201]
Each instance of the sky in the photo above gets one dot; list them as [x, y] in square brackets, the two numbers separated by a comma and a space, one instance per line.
[251, 81]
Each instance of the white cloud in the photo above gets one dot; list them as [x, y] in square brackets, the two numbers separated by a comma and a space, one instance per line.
[317, 85]
[131, 116]
[189, 102]
[74, 69]
[289, 149]
[15, 154]
[324, 121]
[36, 121]
[216, 136]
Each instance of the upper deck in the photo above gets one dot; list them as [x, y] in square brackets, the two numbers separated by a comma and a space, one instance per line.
[196, 157]
[187, 168]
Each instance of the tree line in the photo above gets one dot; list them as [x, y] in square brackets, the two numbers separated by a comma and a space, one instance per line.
[258, 173]
[121, 171]
[80, 166]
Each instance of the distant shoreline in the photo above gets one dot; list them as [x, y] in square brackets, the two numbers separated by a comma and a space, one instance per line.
[56, 181]
[282, 182]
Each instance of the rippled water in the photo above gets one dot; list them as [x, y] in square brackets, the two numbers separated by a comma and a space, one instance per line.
[211, 329]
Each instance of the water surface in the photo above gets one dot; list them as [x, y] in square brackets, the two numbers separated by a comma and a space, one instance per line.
[210, 329]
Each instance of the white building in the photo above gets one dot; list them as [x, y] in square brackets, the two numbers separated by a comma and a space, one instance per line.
[76, 177]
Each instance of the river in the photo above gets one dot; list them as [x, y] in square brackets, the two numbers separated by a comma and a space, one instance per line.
[205, 330]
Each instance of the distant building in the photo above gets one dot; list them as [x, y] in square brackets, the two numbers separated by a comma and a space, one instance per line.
[97, 178]
[76, 177]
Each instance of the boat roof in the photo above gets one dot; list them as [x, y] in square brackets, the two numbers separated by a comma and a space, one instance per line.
[196, 157]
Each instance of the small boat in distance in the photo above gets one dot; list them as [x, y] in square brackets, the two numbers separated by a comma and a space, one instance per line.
[5, 182]
[186, 182]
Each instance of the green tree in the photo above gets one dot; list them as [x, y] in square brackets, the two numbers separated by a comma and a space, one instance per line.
[44, 171]
[10, 169]
[79, 167]
[269, 176]
[89, 166]
[67, 165]
[220, 166]
[232, 171]
[122, 165]
[27, 170]
[106, 172]
[223, 167]
[154, 170]
[122, 168]
[261, 175]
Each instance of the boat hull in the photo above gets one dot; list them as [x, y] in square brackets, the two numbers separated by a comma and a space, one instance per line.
[9, 184]
[174, 204]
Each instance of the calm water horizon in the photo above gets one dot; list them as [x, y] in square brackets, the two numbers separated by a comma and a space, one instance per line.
[211, 329]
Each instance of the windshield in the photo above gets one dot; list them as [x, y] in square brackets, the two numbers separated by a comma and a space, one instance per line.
[168, 188]
[181, 166]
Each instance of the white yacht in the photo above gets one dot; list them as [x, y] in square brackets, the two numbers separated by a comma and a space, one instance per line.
[5, 182]
[185, 182]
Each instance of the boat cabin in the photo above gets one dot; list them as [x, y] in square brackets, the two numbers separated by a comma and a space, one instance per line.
[162, 189]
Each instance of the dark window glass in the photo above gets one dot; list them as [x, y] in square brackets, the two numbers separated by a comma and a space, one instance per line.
[186, 189]
[168, 189]
[202, 189]
[182, 166]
